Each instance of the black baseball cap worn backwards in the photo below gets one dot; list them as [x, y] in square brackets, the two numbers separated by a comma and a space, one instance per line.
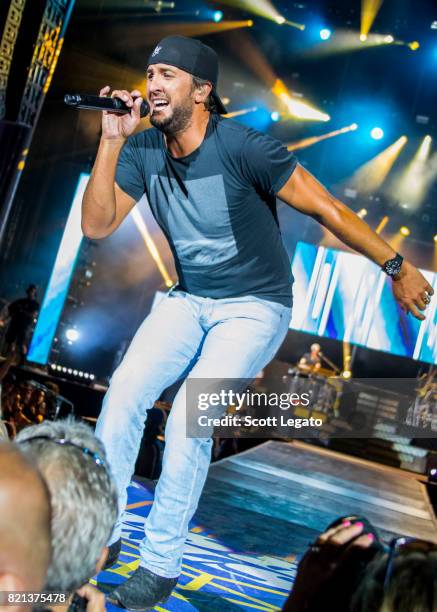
[194, 57]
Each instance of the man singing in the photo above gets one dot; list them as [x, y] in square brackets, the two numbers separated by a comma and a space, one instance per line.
[212, 185]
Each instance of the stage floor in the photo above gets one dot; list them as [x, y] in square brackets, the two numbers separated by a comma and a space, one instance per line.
[259, 510]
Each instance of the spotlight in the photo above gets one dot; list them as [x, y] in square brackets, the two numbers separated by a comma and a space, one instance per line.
[389, 39]
[414, 45]
[274, 116]
[405, 231]
[435, 238]
[280, 19]
[92, 377]
[346, 374]
[72, 334]
[362, 213]
[363, 37]
[250, 23]
[53, 366]
[377, 133]
[325, 33]
[218, 16]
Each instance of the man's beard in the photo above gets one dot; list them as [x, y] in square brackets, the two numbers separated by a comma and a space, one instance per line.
[177, 122]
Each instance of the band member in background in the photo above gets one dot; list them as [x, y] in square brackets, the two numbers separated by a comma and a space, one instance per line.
[22, 313]
[312, 361]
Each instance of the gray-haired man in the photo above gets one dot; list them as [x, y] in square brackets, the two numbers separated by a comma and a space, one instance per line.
[83, 497]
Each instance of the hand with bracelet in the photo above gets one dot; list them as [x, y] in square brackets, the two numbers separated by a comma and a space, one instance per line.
[410, 288]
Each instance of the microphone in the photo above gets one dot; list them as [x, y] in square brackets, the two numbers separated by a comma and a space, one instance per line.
[97, 103]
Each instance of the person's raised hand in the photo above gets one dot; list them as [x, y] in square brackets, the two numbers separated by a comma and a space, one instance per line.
[119, 127]
[332, 549]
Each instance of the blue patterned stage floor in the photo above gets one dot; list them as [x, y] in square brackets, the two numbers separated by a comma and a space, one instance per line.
[214, 576]
[259, 510]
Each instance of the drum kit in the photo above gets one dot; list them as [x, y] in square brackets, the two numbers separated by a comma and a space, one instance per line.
[323, 385]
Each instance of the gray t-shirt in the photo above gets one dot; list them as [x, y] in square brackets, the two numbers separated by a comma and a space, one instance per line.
[217, 208]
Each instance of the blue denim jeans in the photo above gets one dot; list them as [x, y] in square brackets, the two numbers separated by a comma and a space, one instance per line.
[206, 338]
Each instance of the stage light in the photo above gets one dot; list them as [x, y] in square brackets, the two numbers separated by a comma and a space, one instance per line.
[404, 231]
[418, 176]
[346, 374]
[370, 177]
[72, 334]
[369, 11]
[250, 23]
[218, 16]
[307, 142]
[362, 213]
[264, 9]
[274, 116]
[92, 377]
[363, 37]
[296, 108]
[151, 246]
[242, 111]
[382, 224]
[53, 366]
[435, 238]
[377, 133]
[414, 45]
[325, 34]
[389, 39]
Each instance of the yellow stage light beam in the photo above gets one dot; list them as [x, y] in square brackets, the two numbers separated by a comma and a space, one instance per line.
[347, 358]
[244, 47]
[297, 108]
[382, 224]
[396, 241]
[155, 31]
[307, 142]
[243, 111]
[347, 41]
[415, 181]
[151, 246]
[371, 176]
[263, 8]
[369, 10]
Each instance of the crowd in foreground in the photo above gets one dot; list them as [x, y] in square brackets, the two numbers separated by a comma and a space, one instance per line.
[59, 506]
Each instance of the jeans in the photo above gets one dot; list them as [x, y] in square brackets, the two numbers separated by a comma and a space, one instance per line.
[206, 338]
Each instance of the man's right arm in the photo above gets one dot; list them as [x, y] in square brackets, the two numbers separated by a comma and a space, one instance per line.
[104, 204]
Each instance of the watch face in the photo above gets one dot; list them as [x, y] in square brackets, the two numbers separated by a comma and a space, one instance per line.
[392, 266]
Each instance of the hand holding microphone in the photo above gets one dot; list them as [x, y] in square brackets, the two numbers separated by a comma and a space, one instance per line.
[122, 111]
[115, 126]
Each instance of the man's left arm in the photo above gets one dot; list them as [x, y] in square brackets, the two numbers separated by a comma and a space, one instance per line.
[304, 193]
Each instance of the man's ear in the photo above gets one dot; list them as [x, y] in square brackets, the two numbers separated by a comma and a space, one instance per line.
[102, 559]
[202, 93]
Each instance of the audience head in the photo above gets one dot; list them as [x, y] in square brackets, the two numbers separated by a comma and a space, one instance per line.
[83, 496]
[25, 524]
[412, 586]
